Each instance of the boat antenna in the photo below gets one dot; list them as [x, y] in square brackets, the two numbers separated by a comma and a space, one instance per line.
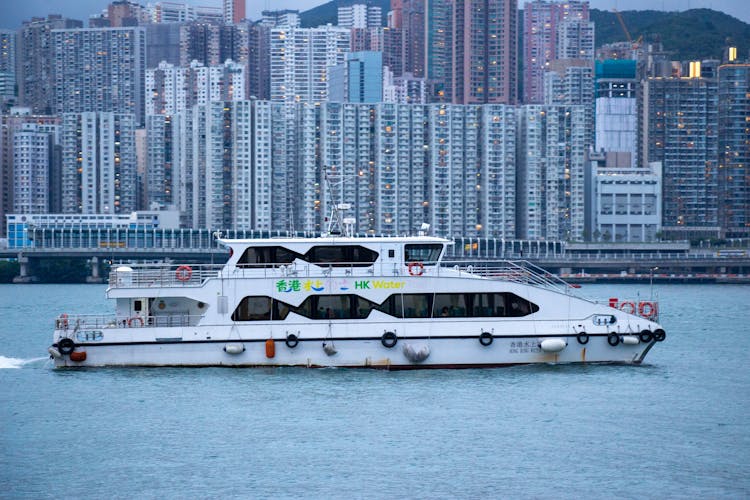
[337, 224]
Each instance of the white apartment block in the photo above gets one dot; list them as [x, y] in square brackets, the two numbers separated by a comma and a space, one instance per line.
[281, 18]
[497, 183]
[551, 166]
[401, 175]
[347, 151]
[162, 161]
[360, 16]
[627, 203]
[300, 58]
[98, 163]
[575, 40]
[454, 169]
[571, 83]
[32, 159]
[171, 89]
[475, 171]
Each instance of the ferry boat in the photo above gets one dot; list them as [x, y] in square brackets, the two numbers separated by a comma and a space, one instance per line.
[344, 301]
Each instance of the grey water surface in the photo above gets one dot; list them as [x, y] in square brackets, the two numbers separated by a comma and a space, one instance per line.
[675, 427]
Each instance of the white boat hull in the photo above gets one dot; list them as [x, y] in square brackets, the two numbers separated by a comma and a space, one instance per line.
[460, 348]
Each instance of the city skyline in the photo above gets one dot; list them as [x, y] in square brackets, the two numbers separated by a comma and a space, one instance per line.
[238, 126]
[13, 15]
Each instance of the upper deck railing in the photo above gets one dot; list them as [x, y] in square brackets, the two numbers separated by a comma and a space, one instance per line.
[173, 275]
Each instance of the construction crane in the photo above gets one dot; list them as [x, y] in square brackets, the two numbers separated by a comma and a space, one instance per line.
[635, 45]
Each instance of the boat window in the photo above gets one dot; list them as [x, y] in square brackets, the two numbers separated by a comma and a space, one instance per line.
[341, 255]
[391, 306]
[255, 308]
[424, 253]
[449, 305]
[362, 307]
[333, 307]
[280, 310]
[487, 305]
[417, 305]
[517, 306]
[262, 256]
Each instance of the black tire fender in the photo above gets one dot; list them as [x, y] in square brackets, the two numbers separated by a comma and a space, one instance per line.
[613, 339]
[389, 339]
[486, 338]
[66, 345]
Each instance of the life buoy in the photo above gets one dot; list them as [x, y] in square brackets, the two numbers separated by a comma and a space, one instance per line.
[583, 338]
[184, 273]
[486, 338]
[647, 309]
[134, 319]
[627, 307]
[389, 339]
[66, 345]
[660, 335]
[416, 268]
[645, 336]
[63, 322]
[291, 341]
[613, 339]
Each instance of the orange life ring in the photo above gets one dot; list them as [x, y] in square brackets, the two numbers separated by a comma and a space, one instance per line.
[184, 273]
[135, 318]
[647, 309]
[416, 268]
[630, 306]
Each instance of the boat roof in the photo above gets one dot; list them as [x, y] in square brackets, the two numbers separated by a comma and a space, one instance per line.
[333, 240]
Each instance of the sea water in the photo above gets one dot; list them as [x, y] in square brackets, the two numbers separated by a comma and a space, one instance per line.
[676, 426]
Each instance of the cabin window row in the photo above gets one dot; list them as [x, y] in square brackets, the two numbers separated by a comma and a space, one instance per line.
[407, 305]
[333, 255]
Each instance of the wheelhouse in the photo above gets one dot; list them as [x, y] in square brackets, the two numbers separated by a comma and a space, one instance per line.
[339, 252]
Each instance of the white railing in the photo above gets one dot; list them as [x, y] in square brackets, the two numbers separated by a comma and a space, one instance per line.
[79, 323]
[171, 275]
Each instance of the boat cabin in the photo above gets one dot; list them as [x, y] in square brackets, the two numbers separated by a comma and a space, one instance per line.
[419, 251]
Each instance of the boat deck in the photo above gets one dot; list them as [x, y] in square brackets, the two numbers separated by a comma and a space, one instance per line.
[172, 275]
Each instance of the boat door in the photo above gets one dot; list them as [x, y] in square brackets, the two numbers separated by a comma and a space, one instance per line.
[390, 256]
[139, 308]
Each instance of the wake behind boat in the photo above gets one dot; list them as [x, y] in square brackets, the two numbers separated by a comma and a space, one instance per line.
[341, 301]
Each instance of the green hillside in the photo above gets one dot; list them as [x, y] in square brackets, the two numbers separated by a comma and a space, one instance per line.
[328, 12]
[690, 35]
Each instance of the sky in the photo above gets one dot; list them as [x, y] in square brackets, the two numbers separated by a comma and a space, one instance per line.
[14, 12]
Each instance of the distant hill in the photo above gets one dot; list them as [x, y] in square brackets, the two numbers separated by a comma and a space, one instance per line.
[690, 35]
[328, 12]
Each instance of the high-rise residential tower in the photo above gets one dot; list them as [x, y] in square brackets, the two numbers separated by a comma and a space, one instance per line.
[234, 11]
[484, 65]
[553, 30]
[98, 163]
[680, 130]
[101, 69]
[300, 58]
[359, 15]
[734, 148]
[7, 67]
[36, 62]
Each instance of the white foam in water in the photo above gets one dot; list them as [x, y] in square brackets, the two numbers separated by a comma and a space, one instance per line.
[15, 362]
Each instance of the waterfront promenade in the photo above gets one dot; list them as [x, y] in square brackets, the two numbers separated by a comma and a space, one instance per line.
[575, 262]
